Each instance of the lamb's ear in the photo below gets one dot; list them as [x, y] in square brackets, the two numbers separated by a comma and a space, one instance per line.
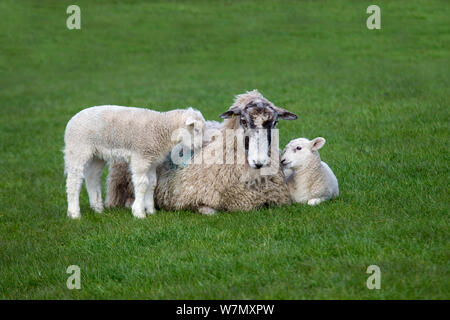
[317, 143]
[284, 114]
[231, 112]
[190, 121]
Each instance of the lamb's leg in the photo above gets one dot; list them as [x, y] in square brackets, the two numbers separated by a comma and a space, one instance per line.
[93, 175]
[119, 187]
[313, 202]
[73, 186]
[149, 202]
[139, 175]
[207, 211]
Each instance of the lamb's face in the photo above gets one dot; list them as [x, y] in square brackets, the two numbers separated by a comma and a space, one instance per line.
[299, 151]
[195, 125]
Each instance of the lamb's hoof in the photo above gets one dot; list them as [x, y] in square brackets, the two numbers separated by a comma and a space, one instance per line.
[207, 211]
[149, 210]
[138, 212]
[313, 202]
[139, 215]
[97, 208]
[73, 214]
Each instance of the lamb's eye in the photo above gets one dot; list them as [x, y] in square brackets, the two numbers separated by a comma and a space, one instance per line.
[299, 148]
[244, 122]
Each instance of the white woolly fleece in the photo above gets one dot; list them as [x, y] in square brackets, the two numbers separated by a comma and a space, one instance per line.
[138, 137]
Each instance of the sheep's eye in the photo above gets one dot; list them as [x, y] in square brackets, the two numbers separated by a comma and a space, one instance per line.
[267, 124]
[244, 122]
[299, 148]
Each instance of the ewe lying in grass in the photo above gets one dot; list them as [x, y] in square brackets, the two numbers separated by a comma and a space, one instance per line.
[140, 137]
[310, 180]
[210, 187]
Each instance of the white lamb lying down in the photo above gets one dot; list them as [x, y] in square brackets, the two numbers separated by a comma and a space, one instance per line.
[140, 137]
[310, 180]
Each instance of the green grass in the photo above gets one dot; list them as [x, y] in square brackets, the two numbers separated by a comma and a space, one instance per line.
[380, 98]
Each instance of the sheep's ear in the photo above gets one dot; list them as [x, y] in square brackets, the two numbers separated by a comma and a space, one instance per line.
[284, 114]
[317, 143]
[231, 112]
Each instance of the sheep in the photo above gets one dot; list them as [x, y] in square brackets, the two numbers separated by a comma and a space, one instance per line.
[139, 137]
[309, 179]
[207, 187]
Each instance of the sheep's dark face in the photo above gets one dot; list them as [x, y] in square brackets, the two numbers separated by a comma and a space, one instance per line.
[258, 115]
[257, 118]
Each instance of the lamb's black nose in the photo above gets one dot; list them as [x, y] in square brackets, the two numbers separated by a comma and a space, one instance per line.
[258, 165]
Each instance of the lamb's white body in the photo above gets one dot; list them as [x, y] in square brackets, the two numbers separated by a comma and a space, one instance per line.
[309, 179]
[140, 137]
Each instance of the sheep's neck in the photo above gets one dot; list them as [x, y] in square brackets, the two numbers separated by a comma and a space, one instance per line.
[171, 121]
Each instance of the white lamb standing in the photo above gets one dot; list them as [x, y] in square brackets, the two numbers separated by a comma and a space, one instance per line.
[309, 179]
[140, 137]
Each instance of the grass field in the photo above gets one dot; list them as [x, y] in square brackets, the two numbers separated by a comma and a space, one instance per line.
[379, 97]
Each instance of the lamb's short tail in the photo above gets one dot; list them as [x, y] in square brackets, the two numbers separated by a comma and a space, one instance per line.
[119, 187]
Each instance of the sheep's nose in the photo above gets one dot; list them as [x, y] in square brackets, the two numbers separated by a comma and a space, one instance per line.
[257, 164]
[283, 161]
